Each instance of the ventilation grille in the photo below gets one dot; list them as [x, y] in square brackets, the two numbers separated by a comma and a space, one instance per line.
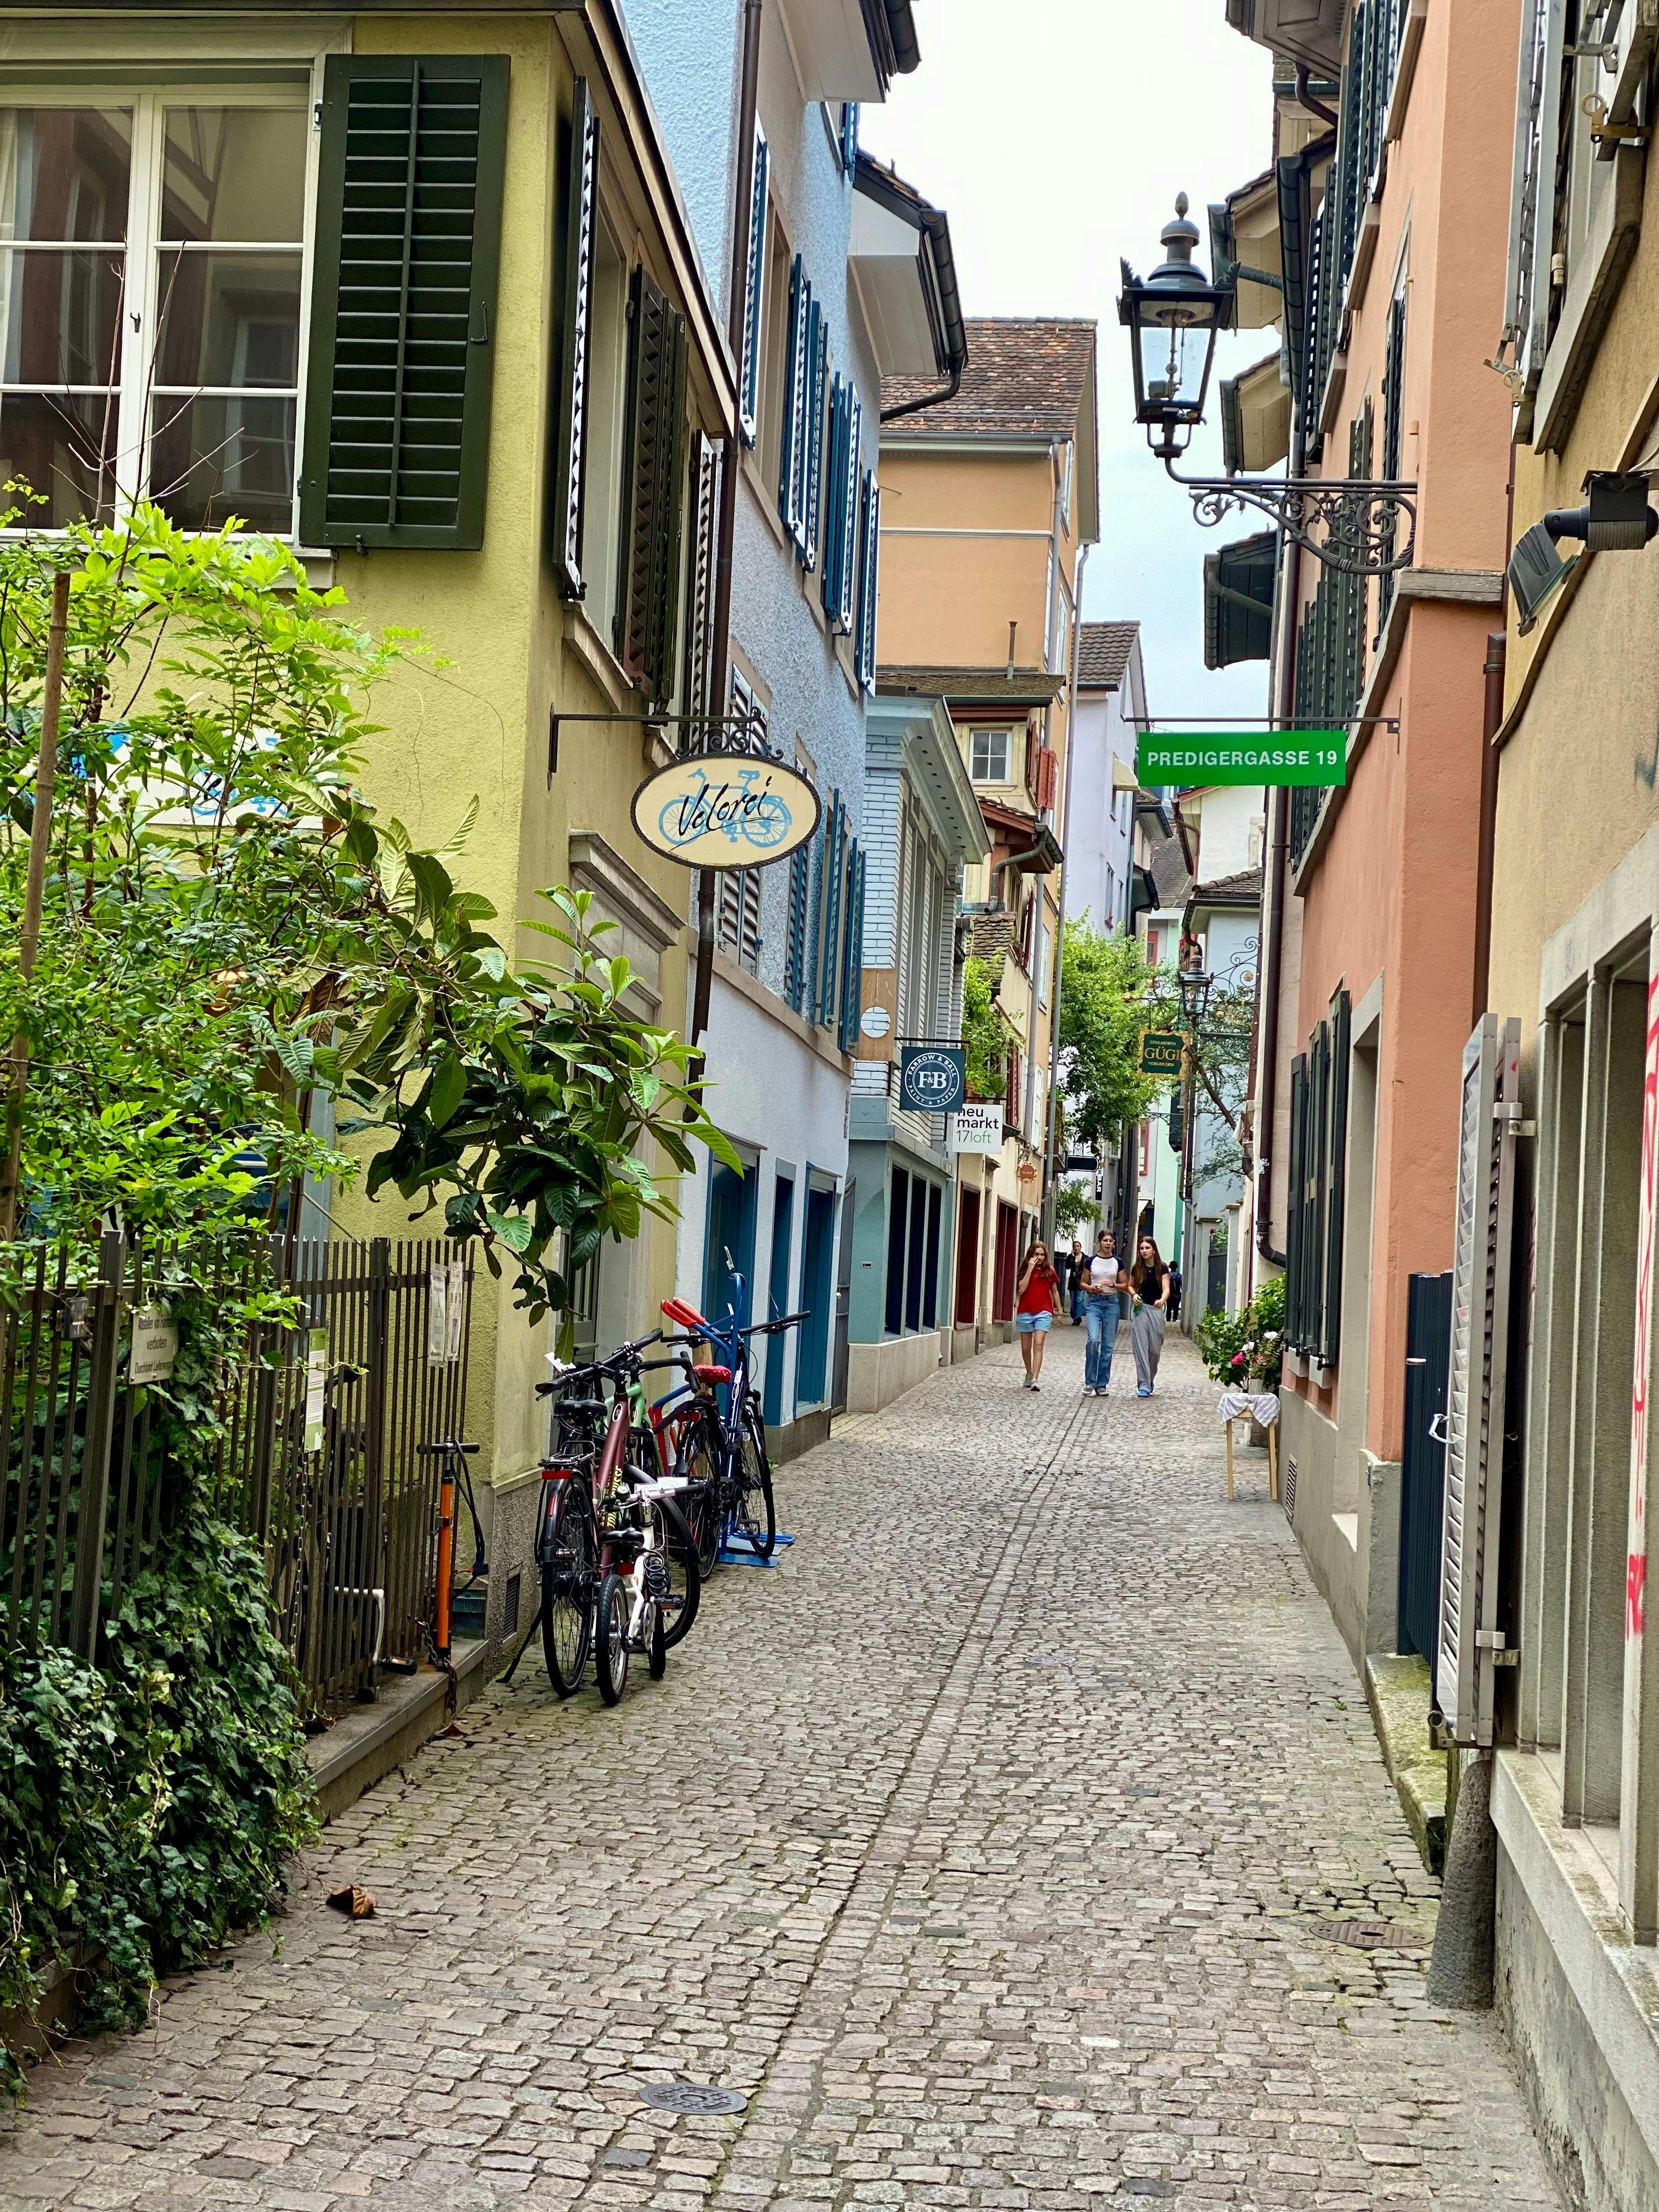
[1290, 1486]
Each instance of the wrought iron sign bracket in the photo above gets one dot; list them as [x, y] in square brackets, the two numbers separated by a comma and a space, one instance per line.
[1358, 521]
[741, 735]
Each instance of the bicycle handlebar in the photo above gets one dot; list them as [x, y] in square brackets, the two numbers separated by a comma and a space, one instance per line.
[442, 1451]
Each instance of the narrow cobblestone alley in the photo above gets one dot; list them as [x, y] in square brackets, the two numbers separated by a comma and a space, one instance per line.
[990, 1845]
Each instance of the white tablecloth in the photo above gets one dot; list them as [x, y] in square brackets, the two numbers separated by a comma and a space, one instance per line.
[1263, 1405]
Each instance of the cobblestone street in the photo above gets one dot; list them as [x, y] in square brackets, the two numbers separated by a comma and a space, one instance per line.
[991, 1845]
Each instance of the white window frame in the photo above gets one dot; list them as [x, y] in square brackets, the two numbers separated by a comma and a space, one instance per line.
[146, 101]
[974, 738]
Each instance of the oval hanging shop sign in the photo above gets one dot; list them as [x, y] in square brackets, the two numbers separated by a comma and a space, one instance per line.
[726, 811]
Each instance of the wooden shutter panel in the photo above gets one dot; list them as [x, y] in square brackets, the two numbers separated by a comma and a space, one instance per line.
[707, 461]
[749, 380]
[818, 354]
[797, 381]
[794, 957]
[1546, 160]
[576, 344]
[852, 989]
[844, 520]
[653, 481]
[869, 564]
[749, 942]
[1047, 778]
[828, 946]
[1464, 1670]
[403, 325]
[1331, 1334]
[834, 496]
[1296, 1328]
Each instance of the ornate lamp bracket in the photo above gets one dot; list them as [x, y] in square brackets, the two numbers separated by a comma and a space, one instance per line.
[1349, 523]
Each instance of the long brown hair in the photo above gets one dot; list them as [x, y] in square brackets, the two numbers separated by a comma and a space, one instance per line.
[1048, 1256]
[1142, 1268]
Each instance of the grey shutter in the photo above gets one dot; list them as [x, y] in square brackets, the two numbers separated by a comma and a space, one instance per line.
[707, 461]
[749, 380]
[1523, 182]
[869, 564]
[1464, 1669]
[818, 354]
[1633, 38]
[575, 342]
[652, 486]
[403, 323]
[1552, 37]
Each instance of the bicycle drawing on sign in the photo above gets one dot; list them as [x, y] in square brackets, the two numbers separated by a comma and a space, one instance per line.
[733, 806]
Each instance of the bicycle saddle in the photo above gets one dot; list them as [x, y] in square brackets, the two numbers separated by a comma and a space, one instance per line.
[706, 1371]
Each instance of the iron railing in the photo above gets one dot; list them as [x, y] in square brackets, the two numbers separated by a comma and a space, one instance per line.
[317, 1411]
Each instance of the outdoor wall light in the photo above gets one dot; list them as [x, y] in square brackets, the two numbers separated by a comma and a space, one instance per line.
[1173, 319]
[1616, 518]
[1193, 986]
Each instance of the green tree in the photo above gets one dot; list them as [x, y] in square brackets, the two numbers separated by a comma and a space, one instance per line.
[985, 1031]
[1105, 992]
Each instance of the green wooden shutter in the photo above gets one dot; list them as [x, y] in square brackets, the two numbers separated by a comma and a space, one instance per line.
[1331, 1335]
[403, 327]
[654, 487]
[797, 381]
[840, 395]
[569, 440]
[818, 354]
[869, 565]
[1295, 1329]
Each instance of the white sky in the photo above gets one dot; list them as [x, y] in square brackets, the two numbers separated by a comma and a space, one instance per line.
[1055, 135]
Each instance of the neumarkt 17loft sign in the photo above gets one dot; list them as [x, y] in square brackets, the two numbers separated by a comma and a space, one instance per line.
[1269, 756]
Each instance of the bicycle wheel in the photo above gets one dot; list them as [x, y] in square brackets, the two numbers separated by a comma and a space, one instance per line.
[696, 1461]
[754, 1512]
[679, 1609]
[610, 1637]
[657, 1661]
[567, 1589]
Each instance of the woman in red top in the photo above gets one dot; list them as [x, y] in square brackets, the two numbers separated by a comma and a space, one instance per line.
[1039, 1302]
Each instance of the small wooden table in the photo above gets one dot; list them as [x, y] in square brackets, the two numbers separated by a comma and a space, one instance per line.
[1261, 1405]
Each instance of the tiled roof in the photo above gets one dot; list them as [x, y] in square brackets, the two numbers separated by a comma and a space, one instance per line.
[1171, 879]
[1023, 378]
[1242, 889]
[1102, 653]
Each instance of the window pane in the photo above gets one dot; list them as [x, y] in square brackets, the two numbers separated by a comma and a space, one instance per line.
[228, 319]
[60, 317]
[64, 171]
[213, 458]
[233, 172]
[64, 448]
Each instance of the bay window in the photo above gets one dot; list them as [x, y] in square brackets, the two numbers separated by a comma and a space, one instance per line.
[151, 271]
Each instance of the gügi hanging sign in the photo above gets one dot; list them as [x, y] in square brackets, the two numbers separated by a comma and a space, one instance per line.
[725, 809]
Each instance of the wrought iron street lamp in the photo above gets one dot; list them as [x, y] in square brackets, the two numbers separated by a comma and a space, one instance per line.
[1194, 985]
[1351, 524]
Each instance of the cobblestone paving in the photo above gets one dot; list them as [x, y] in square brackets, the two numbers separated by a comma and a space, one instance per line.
[989, 1844]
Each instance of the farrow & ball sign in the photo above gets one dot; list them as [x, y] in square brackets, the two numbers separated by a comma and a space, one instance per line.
[1265, 756]
[933, 1078]
[726, 811]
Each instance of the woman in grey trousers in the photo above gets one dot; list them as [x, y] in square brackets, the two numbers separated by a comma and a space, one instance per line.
[1150, 1280]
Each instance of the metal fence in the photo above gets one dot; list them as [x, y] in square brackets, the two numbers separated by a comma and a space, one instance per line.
[316, 1417]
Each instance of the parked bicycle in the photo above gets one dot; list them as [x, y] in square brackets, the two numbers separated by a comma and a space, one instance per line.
[721, 1445]
[619, 1562]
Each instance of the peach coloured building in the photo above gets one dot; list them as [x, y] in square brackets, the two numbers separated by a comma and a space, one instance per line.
[1391, 184]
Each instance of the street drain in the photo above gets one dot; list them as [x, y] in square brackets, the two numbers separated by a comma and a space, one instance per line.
[691, 2097]
[1371, 1934]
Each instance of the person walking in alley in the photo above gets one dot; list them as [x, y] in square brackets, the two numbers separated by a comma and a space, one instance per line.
[1102, 1307]
[1039, 1302]
[1149, 1287]
[1077, 1280]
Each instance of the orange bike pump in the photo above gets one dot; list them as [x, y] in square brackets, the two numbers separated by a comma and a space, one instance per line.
[445, 1562]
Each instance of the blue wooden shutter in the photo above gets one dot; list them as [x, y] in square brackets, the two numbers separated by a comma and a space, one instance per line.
[818, 355]
[843, 520]
[749, 382]
[869, 564]
[834, 499]
[576, 344]
[797, 385]
[794, 957]
[403, 325]
[830, 935]
[852, 989]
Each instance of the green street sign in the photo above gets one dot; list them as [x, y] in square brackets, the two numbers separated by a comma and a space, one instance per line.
[1160, 1053]
[1267, 757]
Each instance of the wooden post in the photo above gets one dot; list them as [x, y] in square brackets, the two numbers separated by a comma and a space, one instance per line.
[1229, 1427]
[1272, 1461]
[28, 942]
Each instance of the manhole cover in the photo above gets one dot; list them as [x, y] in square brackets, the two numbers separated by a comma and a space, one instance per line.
[691, 2097]
[1372, 1935]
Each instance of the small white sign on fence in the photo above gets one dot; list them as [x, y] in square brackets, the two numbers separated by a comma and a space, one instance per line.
[437, 1314]
[457, 1308]
[316, 1385]
[154, 1345]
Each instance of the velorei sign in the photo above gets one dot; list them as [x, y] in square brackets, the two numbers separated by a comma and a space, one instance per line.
[726, 811]
[976, 1128]
[1269, 756]
[1161, 1053]
[933, 1078]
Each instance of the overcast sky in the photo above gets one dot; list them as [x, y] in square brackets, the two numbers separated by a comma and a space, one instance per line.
[1055, 135]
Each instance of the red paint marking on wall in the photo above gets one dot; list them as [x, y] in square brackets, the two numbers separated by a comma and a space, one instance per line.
[1635, 1580]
